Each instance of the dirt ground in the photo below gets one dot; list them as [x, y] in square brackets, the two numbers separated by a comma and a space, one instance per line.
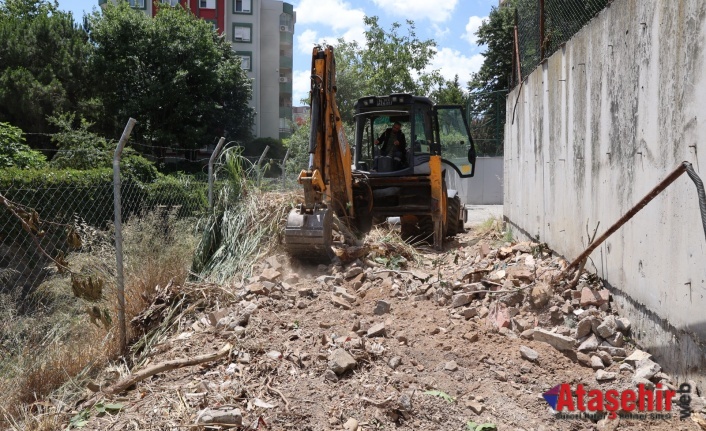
[430, 368]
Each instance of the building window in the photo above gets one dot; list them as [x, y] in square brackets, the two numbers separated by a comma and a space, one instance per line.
[242, 6]
[170, 2]
[245, 59]
[207, 4]
[139, 4]
[242, 32]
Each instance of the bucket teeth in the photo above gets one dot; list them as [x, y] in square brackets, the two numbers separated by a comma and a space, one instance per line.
[308, 236]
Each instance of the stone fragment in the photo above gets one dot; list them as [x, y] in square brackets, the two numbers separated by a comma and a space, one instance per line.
[637, 356]
[305, 291]
[220, 415]
[604, 376]
[258, 288]
[615, 352]
[483, 312]
[377, 330]
[589, 345]
[583, 359]
[583, 328]
[395, 362]
[475, 406]
[341, 361]
[559, 342]
[343, 293]
[274, 263]
[469, 312]
[541, 294]
[623, 324]
[351, 425]
[648, 385]
[499, 317]
[527, 334]
[529, 354]
[501, 375]
[270, 275]
[627, 367]
[471, 336]
[461, 299]
[353, 272]
[451, 366]
[616, 340]
[382, 307]
[330, 376]
[597, 363]
[590, 297]
[605, 357]
[521, 272]
[646, 369]
[340, 302]
[607, 328]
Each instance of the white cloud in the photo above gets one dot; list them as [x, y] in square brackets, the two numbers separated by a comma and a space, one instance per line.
[308, 38]
[437, 11]
[301, 85]
[451, 62]
[337, 14]
[474, 22]
[439, 32]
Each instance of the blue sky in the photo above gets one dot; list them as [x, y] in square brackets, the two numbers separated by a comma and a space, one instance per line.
[451, 23]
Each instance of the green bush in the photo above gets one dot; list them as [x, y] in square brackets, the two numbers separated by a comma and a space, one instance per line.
[14, 152]
[179, 192]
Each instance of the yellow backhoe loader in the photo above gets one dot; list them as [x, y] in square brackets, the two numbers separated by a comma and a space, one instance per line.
[363, 185]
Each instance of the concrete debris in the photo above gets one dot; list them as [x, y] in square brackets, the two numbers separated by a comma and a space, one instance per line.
[540, 295]
[529, 354]
[270, 275]
[637, 356]
[377, 330]
[471, 337]
[559, 342]
[461, 299]
[607, 328]
[341, 361]
[382, 307]
[604, 376]
[352, 272]
[597, 363]
[351, 425]
[623, 324]
[589, 345]
[646, 369]
[583, 328]
[450, 366]
[221, 415]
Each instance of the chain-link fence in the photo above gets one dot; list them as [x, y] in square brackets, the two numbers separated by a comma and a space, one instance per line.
[543, 25]
[486, 118]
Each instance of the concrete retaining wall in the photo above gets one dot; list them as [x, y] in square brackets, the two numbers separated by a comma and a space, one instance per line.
[590, 132]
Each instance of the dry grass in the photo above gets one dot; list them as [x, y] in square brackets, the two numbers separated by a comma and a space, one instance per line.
[55, 350]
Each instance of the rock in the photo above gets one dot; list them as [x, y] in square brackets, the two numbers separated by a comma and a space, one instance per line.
[513, 298]
[483, 250]
[556, 314]
[605, 357]
[475, 406]
[382, 307]
[258, 288]
[597, 363]
[340, 302]
[499, 316]
[351, 425]
[529, 354]
[483, 312]
[353, 272]
[616, 340]
[607, 328]
[637, 356]
[341, 361]
[589, 297]
[451, 366]
[527, 334]
[622, 324]
[522, 247]
[540, 295]
[501, 375]
[583, 359]
[608, 424]
[405, 402]
[471, 336]
[637, 381]
[583, 328]
[615, 352]
[270, 275]
[377, 330]
[330, 376]
[461, 299]
[604, 376]
[627, 367]
[559, 342]
[521, 272]
[343, 293]
[221, 416]
[469, 312]
[589, 345]
[306, 291]
[646, 369]
[395, 362]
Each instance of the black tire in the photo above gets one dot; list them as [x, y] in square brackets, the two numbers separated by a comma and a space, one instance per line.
[417, 229]
[454, 224]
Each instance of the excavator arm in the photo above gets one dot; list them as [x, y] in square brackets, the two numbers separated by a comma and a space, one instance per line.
[327, 181]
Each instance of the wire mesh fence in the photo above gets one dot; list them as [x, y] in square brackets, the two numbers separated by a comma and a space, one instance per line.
[544, 25]
[486, 113]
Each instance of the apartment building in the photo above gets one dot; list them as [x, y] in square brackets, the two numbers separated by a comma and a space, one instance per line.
[262, 34]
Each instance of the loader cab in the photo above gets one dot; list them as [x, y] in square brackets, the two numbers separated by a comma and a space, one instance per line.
[428, 129]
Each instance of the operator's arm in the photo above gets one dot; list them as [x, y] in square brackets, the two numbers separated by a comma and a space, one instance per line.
[382, 138]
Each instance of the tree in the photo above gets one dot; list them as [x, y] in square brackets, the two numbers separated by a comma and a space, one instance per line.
[174, 74]
[489, 85]
[450, 93]
[15, 152]
[390, 62]
[43, 65]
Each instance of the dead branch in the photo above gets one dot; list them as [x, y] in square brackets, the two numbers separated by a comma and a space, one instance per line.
[286, 403]
[166, 366]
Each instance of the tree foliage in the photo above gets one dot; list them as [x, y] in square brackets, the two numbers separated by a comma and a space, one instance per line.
[173, 73]
[391, 61]
[43, 64]
[450, 93]
[14, 152]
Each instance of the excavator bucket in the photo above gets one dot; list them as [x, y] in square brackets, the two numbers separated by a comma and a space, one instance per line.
[308, 236]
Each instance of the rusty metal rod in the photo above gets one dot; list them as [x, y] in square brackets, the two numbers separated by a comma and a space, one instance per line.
[628, 215]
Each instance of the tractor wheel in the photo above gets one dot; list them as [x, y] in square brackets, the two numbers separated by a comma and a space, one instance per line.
[454, 224]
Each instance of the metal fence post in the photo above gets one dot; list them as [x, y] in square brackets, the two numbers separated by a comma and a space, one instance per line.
[284, 168]
[213, 157]
[122, 335]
